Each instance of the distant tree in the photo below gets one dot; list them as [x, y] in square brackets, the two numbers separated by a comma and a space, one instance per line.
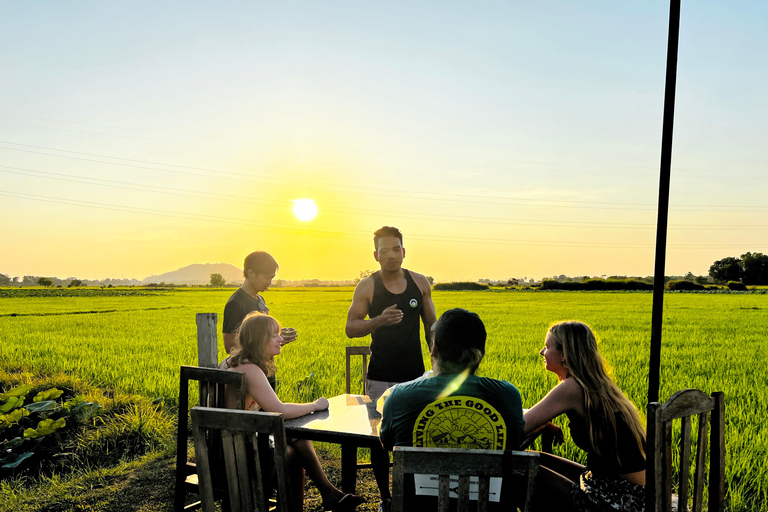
[513, 282]
[689, 277]
[754, 268]
[218, 280]
[702, 280]
[726, 269]
[74, 283]
[5, 280]
[364, 274]
[44, 281]
[431, 280]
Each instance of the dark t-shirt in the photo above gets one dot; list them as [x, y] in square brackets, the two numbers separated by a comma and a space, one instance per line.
[632, 459]
[396, 349]
[238, 306]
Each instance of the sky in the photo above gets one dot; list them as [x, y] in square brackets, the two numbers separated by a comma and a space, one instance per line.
[504, 139]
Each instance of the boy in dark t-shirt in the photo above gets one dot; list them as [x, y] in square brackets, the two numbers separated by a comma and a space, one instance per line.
[259, 269]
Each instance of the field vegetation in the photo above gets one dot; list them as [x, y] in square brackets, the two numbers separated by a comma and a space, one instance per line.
[135, 340]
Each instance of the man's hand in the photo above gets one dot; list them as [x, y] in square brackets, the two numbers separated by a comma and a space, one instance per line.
[288, 334]
[389, 316]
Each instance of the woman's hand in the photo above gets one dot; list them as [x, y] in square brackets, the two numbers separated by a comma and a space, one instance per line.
[552, 434]
[321, 404]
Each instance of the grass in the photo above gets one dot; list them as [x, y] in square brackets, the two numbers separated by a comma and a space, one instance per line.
[135, 344]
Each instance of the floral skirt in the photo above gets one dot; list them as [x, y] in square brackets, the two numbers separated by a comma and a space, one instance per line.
[607, 494]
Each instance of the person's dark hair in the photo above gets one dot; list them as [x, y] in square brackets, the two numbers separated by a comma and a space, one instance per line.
[459, 341]
[253, 336]
[260, 262]
[386, 231]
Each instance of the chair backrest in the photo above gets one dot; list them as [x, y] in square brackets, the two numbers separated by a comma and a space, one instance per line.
[483, 464]
[212, 382]
[711, 413]
[241, 433]
[358, 351]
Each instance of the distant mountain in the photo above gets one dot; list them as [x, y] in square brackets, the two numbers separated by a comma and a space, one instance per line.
[199, 273]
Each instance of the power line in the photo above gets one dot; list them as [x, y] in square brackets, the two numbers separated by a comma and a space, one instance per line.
[433, 238]
[339, 209]
[505, 163]
[381, 191]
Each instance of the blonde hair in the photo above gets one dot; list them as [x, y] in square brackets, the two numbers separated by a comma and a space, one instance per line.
[602, 397]
[253, 337]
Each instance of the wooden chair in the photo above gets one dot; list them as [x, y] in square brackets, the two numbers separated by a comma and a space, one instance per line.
[358, 351]
[212, 382]
[483, 464]
[685, 404]
[242, 436]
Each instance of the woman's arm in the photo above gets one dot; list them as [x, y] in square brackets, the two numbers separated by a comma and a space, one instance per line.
[262, 392]
[564, 397]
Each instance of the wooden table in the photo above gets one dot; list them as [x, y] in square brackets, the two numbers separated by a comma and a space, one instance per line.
[351, 421]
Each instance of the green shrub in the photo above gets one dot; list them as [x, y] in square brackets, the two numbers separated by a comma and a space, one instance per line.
[457, 286]
[684, 286]
[736, 286]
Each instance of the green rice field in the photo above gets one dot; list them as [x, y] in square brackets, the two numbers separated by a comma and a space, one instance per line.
[135, 340]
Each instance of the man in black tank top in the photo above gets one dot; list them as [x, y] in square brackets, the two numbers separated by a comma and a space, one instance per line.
[395, 302]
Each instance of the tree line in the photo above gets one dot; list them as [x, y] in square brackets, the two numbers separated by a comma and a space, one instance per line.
[750, 268]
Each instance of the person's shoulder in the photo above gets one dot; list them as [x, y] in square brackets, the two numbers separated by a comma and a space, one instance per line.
[569, 389]
[234, 298]
[501, 385]
[366, 285]
[419, 279]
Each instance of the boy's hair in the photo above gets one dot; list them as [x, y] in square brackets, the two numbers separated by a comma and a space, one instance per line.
[386, 231]
[260, 262]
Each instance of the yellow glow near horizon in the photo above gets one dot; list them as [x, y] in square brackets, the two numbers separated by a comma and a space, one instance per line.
[304, 209]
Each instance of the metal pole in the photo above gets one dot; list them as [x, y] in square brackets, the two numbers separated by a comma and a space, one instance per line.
[661, 225]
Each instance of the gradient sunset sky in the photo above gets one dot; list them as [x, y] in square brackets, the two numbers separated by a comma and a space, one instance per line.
[505, 139]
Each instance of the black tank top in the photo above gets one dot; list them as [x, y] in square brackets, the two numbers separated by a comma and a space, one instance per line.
[396, 349]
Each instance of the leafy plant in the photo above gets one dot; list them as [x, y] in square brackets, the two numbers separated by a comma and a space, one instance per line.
[29, 433]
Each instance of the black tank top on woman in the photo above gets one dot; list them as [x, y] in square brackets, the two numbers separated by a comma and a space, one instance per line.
[396, 349]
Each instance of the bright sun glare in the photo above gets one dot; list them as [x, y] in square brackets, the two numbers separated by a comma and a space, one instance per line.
[304, 209]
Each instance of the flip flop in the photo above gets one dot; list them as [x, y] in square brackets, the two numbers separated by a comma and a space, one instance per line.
[348, 503]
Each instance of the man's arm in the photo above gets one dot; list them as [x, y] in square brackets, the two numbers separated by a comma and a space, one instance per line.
[428, 314]
[357, 325]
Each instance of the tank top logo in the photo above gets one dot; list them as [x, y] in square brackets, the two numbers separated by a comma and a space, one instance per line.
[460, 422]
[414, 303]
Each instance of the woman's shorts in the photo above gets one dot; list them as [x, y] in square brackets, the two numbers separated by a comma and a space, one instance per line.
[607, 494]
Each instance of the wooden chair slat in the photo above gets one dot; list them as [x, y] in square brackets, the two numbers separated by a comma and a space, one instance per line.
[701, 452]
[717, 455]
[230, 465]
[442, 497]
[483, 493]
[463, 492]
[254, 463]
[685, 463]
[667, 485]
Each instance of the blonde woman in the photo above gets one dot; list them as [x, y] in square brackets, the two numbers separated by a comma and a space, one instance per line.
[603, 423]
[259, 342]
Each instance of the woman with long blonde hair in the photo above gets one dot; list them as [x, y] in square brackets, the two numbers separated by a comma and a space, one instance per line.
[259, 341]
[603, 423]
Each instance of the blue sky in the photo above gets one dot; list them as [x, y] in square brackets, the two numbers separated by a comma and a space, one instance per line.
[505, 139]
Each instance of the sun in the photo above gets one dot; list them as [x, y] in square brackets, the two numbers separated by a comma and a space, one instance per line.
[304, 209]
